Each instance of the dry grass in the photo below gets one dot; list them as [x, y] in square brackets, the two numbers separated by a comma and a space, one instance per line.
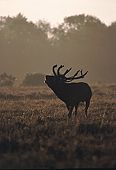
[34, 132]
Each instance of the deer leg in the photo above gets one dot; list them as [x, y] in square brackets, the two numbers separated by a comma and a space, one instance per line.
[70, 111]
[76, 119]
[76, 107]
[68, 107]
[87, 106]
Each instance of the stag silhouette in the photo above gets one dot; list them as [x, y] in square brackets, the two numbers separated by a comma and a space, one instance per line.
[70, 93]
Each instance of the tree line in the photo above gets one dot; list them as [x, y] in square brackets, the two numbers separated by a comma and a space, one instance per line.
[81, 41]
[30, 79]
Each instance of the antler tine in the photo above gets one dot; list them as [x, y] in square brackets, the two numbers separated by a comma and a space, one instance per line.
[58, 73]
[71, 78]
[54, 69]
[76, 74]
[82, 75]
[67, 71]
[74, 77]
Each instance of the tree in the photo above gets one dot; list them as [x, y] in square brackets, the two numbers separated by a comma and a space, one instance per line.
[6, 80]
[80, 41]
[83, 43]
[34, 79]
[22, 42]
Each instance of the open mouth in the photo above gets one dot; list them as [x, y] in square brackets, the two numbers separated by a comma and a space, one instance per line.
[45, 81]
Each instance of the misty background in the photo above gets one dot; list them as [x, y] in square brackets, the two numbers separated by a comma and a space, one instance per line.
[80, 41]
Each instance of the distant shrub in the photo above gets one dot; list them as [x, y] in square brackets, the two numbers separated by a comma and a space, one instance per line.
[6, 80]
[34, 79]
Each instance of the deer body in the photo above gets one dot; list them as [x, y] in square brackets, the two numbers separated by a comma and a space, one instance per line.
[70, 93]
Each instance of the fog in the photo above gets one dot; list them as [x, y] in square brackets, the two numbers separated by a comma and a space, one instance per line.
[80, 41]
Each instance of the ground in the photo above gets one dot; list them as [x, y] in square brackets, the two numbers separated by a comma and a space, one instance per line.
[34, 132]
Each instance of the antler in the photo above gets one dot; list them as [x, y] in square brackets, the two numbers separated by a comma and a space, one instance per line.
[54, 69]
[67, 71]
[68, 79]
[71, 78]
[74, 77]
[58, 71]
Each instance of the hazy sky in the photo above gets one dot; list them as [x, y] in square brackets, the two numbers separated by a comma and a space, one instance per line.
[54, 11]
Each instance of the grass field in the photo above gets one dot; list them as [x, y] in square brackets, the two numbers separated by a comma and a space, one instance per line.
[34, 132]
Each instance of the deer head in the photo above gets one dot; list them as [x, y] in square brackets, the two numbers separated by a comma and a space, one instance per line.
[59, 78]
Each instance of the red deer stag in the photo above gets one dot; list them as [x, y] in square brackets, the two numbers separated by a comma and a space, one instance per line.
[70, 93]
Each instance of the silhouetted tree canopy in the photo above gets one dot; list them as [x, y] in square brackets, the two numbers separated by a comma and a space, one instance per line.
[80, 41]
